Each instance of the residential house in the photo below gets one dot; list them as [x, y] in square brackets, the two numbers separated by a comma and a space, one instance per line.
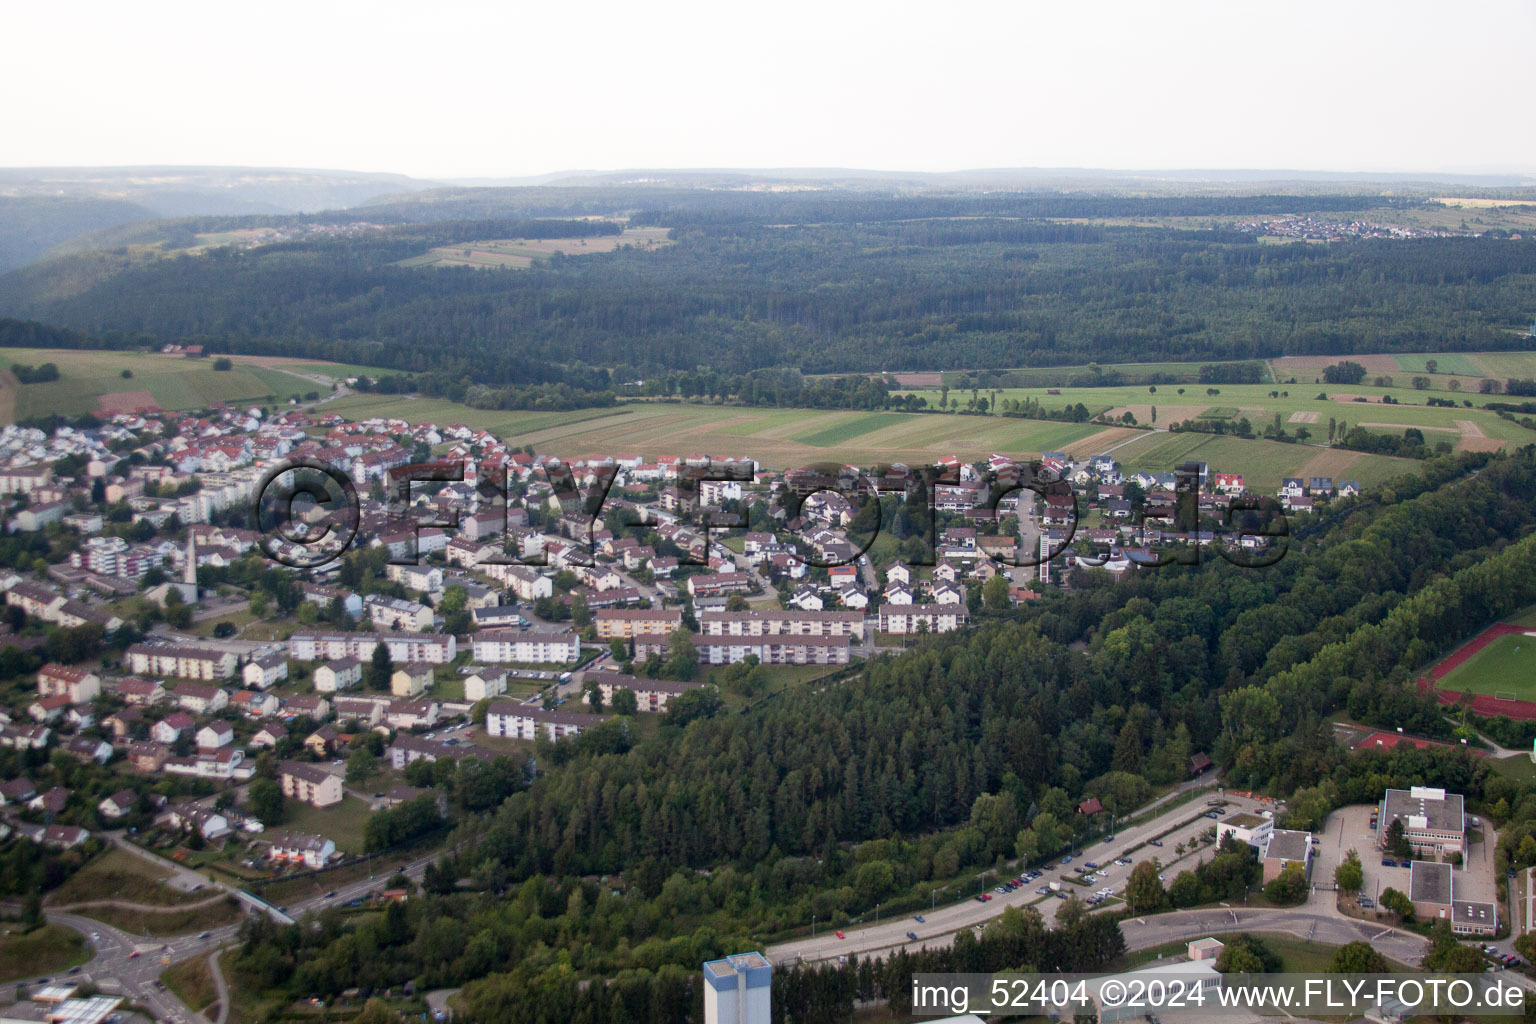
[79, 685]
[310, 783]
[265, 672]
[411, 680]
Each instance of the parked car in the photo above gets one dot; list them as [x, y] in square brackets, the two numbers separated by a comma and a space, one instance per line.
[1387, 862]
[1109, 838]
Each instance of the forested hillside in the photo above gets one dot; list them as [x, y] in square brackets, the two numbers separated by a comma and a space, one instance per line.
[721, 830]
[824, 282]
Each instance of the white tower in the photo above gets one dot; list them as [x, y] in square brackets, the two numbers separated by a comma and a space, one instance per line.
[738, 990]
[189, 570]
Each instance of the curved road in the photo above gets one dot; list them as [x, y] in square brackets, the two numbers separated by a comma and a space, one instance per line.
[116, 970]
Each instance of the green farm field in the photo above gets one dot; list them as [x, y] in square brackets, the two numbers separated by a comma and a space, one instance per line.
[1263, 463]
[781, 438]
[1506, 667]
[174, 382]
[778, 438]
[1473, 428]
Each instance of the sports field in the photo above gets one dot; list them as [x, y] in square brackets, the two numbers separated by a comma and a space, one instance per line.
[174, 382]
[1505, 667]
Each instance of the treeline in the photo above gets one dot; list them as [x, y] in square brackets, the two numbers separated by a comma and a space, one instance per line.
[1410, 446]
[35, 374]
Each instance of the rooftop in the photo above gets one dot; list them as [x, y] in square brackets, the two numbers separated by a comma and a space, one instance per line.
[1429, 882]
[1288, 844]
[1244, 819]
[736, 964]
[1440, 811]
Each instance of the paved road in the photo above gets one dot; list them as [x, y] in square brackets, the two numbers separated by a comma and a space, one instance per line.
[116, 969]
[1309, 923]
[939, 925]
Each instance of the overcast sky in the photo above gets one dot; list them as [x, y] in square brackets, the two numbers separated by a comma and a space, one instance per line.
[512, 88]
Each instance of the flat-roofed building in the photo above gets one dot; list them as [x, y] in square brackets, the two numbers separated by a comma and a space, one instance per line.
[1434, 821]
[1432, 891]
[1286, 847]
[1429, 890]
[738, 989]
[1246, 827]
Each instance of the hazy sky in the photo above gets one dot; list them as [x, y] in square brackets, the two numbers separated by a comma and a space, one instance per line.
[512, 88]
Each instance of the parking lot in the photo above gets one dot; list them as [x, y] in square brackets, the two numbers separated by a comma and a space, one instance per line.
[1113, 874]
[1349, 828]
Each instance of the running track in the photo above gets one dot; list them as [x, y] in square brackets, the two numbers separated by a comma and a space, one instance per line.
[1480, 704]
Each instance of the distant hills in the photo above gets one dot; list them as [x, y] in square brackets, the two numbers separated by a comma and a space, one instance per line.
[42, 208]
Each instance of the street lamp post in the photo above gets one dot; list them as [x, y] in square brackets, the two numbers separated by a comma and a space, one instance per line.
[813, 926]
[934, 902]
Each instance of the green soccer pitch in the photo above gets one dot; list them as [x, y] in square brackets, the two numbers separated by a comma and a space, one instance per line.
[1505, 668]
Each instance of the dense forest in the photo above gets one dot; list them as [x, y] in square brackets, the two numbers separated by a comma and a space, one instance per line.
[633, 858]
[825, 282]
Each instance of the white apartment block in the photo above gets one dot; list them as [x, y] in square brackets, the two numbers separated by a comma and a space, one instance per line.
[774, 622]
[499, 646]
[526, 722]
[436, 648]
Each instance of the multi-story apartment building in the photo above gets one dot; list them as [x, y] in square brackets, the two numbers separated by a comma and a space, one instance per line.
[310, 783]
[623, 623]
[774, 622]
[503, 645]
[526, 722]
[432, 647]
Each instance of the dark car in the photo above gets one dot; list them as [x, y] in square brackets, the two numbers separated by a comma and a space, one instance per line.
[331, 895]
[919, 918]
[1154, 842]
[912, 936]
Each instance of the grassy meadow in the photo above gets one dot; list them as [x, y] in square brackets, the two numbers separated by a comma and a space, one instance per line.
[175, 383]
